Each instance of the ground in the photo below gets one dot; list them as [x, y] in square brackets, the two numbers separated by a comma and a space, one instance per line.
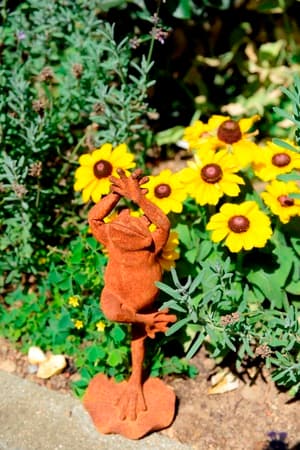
[239, 419]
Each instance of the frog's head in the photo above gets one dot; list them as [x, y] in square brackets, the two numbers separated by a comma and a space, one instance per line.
[131, 232]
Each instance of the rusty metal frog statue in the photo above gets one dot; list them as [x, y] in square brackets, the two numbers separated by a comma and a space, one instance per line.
[135, 407]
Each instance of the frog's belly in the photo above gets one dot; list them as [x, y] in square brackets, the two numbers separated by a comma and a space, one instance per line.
[137, 289]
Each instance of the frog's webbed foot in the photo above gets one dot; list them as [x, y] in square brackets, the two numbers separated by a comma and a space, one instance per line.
[131, 402]
[158, 322]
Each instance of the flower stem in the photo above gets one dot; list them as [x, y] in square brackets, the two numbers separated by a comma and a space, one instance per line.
[240, 263]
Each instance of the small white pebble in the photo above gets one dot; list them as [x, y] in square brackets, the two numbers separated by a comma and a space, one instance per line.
[35, 355]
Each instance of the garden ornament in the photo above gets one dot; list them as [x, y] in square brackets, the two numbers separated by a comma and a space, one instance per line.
[135, 407]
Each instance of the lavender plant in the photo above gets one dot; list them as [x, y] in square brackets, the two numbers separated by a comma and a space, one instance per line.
[65, 84]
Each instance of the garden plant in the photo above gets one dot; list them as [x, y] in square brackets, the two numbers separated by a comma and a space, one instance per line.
[78, 100]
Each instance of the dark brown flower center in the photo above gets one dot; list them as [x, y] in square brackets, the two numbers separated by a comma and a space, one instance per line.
[281, 159]
[102, 169]
[285, 200]
[238, 224]
[162, 190]
[211, 173]
[229, 132]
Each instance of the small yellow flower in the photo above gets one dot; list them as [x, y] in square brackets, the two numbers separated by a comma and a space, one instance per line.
[92, 177]
[42, 260]
[166, 191]
[169, 253]
[78, 324]
[100, 326]
[277, 197]
[211, 176]
[73, 301]
[243, 226]
[274, 160]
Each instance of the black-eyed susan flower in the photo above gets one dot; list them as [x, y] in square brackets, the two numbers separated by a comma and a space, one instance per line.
[170, 253]
[235, 134]
[166, 191]
[223, 131]
[241, 226]
[274, 160]
[73, 301]
[208, 178]
[277, 197]
[92, 177]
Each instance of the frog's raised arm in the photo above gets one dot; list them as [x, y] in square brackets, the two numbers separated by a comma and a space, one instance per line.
[130, 187]
[98, 213]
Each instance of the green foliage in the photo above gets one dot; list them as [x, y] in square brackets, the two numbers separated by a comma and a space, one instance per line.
[47, 318]
[65, 83]
[294, 95]
[72, 79]
[224, 311]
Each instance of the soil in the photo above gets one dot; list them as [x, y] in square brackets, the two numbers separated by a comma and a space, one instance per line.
[237, 419]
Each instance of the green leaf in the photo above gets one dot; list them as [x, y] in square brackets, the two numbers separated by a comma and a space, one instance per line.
[168, 290]
[115, 357]
[292, 176]
[285, 144]
[95, 353]
[170, 136]
[191, 255]
[196, 345]
[76, 253]
[172, 304]
[183, 10]
[293, 287]
[204, 250]
[177, 325]
[265, 283]
[118, 334]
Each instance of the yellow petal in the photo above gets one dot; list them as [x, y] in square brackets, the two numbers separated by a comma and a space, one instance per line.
[86, 193]
[83, 176]
[103, 152]
[86, 159]
[246, 123]
[219, 234]
[216, 120]
[101, 189]
[234, 242]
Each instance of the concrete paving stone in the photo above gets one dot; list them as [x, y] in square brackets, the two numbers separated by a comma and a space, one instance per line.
[36, 418]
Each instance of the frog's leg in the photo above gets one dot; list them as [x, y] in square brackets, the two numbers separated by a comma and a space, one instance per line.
[115, 310]
[132, 400]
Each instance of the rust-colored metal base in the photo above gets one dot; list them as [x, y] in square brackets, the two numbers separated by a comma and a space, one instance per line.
[101, 398]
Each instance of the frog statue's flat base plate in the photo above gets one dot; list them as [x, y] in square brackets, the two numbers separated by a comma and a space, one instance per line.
[103, 393]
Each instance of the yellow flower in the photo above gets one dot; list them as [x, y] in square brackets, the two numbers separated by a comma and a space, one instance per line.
[211, 176]
[224, 131]
[274, 160]
[73, 301]
[100, 326]
[42, 260]
[243, 226]
[111, 217]
[78, 324]
[92, 177]
[166, 191]
[277, 198]
[169, 254]
[196, 134]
